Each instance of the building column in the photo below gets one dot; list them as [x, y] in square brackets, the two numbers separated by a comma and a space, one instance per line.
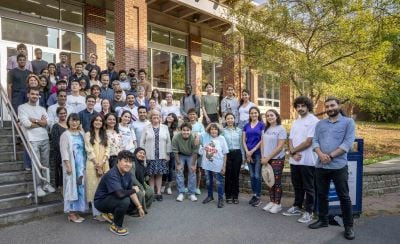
[130, 34]
[285, 101]
[232, 69]
[195, 61]
[253, 86]
[95, 31]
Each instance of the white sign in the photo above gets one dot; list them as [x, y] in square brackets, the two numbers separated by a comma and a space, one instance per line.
[352, 181]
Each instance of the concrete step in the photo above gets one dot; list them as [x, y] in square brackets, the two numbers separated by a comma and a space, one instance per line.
[9, 147]
[11, 166]
[7, 138]
[25, 199]
[23, 214]
[16, 188]
[15, 176]
[9, 156]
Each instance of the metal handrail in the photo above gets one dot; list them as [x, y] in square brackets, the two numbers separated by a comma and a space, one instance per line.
[37, 166]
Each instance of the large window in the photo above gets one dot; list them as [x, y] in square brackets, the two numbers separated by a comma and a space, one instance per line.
[268, 91]
[166, 37]
[110, 47]
[161, 69]
[212, 73]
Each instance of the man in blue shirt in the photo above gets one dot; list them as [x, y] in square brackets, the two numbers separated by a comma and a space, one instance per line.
[116, 194]
[333, 138]
[88, 113]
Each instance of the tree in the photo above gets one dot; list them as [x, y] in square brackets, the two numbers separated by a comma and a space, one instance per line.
[338, 47]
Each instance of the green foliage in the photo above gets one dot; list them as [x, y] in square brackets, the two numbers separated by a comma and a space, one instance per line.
[346, 48]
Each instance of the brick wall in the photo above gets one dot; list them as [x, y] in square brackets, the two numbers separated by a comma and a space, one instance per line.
[286, 101]
[130, 34]
[195, 62]
[232, 65]
[95, 30]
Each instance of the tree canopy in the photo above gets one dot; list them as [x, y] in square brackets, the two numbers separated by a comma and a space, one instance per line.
[346, 48]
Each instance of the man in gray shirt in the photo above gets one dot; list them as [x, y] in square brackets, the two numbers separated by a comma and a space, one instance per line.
[333, 138]
[230, 104]
[189, 101]
[38, 64]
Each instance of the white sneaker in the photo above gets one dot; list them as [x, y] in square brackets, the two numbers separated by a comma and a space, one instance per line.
[292, 211]
[276, 208]
[40, 192]
[49, 188]
[169, 191]
[193, 198]
[162, 190]
[246, 167]
[307, 217]
[180, 197]
[268, 206]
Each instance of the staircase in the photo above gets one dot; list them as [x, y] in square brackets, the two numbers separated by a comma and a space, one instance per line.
[17, 201]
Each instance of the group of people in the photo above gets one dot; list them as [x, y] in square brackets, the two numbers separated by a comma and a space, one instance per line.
[117, 145]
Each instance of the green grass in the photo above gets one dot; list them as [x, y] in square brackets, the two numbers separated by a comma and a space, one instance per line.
[379, 125]
[378, 159]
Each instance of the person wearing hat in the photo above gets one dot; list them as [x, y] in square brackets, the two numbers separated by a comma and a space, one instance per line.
[273, 154]
[111, 71]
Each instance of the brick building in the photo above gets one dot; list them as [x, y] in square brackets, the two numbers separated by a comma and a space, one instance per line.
[174, 40]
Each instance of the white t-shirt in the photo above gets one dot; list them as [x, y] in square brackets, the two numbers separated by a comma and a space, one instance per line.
[271, 138]
[27, 112]
[169, 109]
[213, 151]
[303, 128]
[138, 126]
[134, 112]
[52, 112]
[76, 103]
[244, 111]
[128, 137]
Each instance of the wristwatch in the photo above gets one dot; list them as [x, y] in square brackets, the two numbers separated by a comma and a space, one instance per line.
[36, 121]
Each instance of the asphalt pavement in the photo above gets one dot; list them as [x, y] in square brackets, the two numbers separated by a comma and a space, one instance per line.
[193, 222]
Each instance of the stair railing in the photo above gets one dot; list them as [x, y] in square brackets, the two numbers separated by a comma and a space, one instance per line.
[37, 167]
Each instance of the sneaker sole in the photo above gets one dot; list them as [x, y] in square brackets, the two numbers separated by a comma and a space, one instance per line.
[289, 214]
[119, 234]
[304, 222]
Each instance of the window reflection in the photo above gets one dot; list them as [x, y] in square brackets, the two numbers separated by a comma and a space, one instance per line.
[160, 36]
[218, 78]
[46, 8]
[178, 40]
[268, 91]
[110, 49]
[178, 71]
[71, 13]
[161, 72]
[71, 41]
[207, 73]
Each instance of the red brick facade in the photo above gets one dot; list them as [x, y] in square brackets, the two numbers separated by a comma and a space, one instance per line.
[95, 30]
[130, 34]
[195, 63]
[286, 101]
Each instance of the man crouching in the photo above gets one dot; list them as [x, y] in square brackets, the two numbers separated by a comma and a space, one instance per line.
[116, 196]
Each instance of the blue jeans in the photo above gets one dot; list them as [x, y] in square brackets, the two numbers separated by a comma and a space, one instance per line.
[255, 174]
[220, 183]
[180, 178]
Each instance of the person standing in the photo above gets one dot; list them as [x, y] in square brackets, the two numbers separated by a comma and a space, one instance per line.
[130, 106]
[64, 69]
[93, 65]
[117, 102]
[116, 194]
[252, 133]
[233, 138]
[34, 119]
[244, 108]
[114, 138]
[189, 101]
[52, 110]
[79, 75]
[302, 159]
[98, 151]
[61, 85]
[141, 100]
[94, 78]
[75, 101]
[52, 77]
[273, 153]
[172, 123]
[144, 83]
[124, 82]
[12, 62]
[88, 113]
[133, 87]
[38, 64]
[55, 133]
[127, 132]
[169, 107]
[333, 139]
[140, 124]
[214, 150]
[112, 74]
[155, 138]
[230, 104]
[16, 82]
[106, 92]
[210, 106]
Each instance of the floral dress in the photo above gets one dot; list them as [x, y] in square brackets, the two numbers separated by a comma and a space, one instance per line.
[158, 166]
[78, 148]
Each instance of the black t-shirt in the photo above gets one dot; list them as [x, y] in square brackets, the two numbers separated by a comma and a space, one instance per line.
[111, 182]
[17, 77]
[38, 65]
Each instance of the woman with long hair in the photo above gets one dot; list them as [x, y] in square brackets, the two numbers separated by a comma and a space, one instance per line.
[114, 137]
[210, 106]
[73, 155]
[273, 153]
[156, 95]
[97, 149]
[127, 132]
[44, 91]
[157, 141]
[251, 138]
[93, 78]
[105, 107]
[244, 108]
[172, 122]
[95, 90]
[53, 77]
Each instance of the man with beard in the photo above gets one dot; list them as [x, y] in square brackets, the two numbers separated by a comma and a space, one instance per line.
[188, 101]
[334, 137]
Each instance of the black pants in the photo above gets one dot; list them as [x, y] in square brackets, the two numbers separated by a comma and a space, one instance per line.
[171, 168]
[339, 178]
[112, 160]
[213, 117]
[233, 163]
[118, 207]
[303, 183]
[58, 175]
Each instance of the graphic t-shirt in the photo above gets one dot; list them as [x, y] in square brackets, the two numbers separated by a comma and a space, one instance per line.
[213, 151]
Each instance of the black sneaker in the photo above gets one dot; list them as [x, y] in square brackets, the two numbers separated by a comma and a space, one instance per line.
[253, 199]
[257, 202]
[235, 201]
[229, 200]
[220, 203]
[207, 200]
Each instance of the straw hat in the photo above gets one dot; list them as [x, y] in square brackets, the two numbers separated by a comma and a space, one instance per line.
[268, 175]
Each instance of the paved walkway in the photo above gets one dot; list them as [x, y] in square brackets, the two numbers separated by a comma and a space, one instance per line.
[392, 165]
[187, 222]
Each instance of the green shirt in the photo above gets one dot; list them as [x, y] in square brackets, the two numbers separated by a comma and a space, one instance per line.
[182, 146]
[210, 103]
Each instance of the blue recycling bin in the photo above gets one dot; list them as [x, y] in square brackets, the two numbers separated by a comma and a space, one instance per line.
[355, 181]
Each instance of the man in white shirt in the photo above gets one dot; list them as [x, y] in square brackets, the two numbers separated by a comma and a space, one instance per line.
[302, 159]
[130, 106]
[52, 110]
[138, 125]
[170, 107]
[75, 101]
[34, 119]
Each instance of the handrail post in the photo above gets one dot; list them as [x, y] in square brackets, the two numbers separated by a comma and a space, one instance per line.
[34, 185]
[14, 141]
[2, 113]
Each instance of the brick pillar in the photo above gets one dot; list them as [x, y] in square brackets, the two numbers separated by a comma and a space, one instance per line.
[195, 62]
[95, 30]
[253, 86]
[232, 64]
[285, 101]
[130, 34]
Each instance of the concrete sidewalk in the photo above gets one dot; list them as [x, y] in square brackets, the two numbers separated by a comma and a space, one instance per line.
[392, 165]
